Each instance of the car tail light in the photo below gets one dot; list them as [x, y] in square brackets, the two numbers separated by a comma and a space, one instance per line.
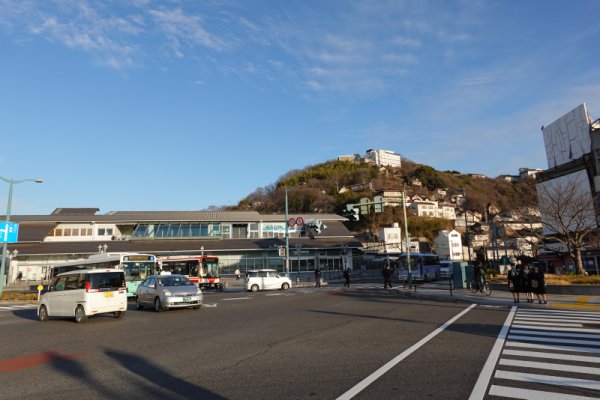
[88, 287]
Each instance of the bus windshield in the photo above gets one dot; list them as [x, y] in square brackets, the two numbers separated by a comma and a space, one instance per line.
[135, 271]
[211, 268]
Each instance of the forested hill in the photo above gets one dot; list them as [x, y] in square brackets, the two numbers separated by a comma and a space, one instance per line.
[317, 188]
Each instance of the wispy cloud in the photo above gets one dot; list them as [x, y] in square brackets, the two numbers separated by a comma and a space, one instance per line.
[184, 29]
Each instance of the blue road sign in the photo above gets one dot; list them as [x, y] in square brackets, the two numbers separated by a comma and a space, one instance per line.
[9, 232]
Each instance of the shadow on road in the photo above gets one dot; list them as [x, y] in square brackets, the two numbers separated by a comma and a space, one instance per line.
[161, 383]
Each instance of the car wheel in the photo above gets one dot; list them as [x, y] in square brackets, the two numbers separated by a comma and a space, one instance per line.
[157, 305]
[80, 314]
[254, 288]
[119, 314]
[285, 286]
[43, 314]
[138, 304]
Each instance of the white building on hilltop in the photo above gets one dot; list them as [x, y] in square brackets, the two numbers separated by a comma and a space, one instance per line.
[383, 158]
[448, 245]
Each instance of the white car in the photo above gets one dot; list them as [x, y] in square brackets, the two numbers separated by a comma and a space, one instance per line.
[263, 279]
[83, 293]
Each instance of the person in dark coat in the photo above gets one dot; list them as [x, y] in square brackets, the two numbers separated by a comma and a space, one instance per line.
[528, 272]
[347, 273]
[538, 285]
[387, 276]
[514, 282]
[317, 277]
[478, 270]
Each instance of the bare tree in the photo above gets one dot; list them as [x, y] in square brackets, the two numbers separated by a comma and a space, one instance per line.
[568, 215]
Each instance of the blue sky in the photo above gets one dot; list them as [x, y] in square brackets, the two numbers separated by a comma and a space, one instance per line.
[180, 105]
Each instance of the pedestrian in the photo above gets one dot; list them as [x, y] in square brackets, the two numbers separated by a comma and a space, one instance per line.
[513, 282]
[237, 274]
[387, 276]
[317, 277]
[347, 274]
[19, 276]
[479, 277]
[528, 272]
[538, 285]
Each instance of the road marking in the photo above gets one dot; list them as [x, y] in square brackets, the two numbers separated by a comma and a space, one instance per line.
[561, 312]
[18, 307]
[594, 350]
[561, 320]
[516, 393]
[548, 379]
[553, 340]
[528, 322]
[552, 356]
[488, 369]
[209, 305]
[533, 331]
[392, 363]
[555, 328]
[237, 298]
[19, 363]
[549, 366]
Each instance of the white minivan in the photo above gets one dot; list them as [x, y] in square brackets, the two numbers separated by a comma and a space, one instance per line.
[82, 293]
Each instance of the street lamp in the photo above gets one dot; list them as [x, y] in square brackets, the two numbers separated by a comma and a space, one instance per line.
[466, 225]
[287, 235]
[11, 183]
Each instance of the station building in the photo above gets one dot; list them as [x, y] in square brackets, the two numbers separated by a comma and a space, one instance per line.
[241, 239]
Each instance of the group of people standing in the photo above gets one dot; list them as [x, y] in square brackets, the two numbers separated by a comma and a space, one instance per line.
[522, 279]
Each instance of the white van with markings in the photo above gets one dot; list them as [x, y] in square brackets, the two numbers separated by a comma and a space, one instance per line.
[82, 293]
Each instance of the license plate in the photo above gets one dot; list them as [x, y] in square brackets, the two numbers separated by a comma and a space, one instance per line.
[186, 299]
[109, 294]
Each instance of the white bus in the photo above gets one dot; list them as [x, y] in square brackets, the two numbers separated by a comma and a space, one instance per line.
[136, 266]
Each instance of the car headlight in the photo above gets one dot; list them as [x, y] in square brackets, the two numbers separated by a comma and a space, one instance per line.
[167, 293]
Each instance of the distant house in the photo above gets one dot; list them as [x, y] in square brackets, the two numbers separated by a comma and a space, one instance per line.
[416, 182]
[509, 178]
[477, 176]
[525, 173]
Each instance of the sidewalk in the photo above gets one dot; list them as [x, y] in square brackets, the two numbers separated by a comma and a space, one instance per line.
[501, 297]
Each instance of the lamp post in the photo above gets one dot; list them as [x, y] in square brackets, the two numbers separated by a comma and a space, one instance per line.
[466, 226]
[11, 183]
[287, 235]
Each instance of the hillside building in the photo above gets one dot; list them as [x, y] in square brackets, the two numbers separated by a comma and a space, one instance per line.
[448, 245]
[384, 158]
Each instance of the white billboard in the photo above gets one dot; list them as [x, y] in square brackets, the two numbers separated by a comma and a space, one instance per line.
[568, 138]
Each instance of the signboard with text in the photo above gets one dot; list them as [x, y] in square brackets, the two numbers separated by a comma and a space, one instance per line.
[9, 232]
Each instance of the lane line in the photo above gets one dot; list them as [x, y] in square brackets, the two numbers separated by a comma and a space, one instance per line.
[537, 319]
[516, 393]
[394, 361]
[548, 380]
[485, 376]
[553, 317]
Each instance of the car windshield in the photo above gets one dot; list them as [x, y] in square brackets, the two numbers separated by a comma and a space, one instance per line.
[174, 281]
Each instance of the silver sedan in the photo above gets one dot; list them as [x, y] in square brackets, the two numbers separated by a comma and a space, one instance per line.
[163, 292]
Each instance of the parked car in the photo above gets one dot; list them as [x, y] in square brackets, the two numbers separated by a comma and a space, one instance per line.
[163, 292]
[82, 293]
[262, 279]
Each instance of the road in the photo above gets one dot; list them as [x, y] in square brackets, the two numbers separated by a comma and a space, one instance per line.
[305, 343]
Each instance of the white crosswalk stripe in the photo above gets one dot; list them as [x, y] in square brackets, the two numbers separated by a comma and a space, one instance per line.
[549, 354]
